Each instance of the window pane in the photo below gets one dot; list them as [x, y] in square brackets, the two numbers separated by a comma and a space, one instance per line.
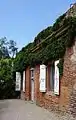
[32, 74]
[52, 76]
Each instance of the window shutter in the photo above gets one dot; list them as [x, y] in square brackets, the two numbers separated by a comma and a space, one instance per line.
[18, 81]
[42, 78]
[24, 81]
[56, 79]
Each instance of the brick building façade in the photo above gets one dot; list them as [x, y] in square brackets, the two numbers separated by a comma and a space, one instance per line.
[66, 99]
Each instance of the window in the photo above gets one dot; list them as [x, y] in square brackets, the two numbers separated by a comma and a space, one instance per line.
[50, 77]
[52, 74]
[32, 73]
[24, 81]
[53, 78]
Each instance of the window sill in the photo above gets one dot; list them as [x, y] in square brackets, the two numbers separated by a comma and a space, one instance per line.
[50, 93]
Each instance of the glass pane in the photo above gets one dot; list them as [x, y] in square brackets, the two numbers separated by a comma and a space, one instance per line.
[32, 74]
[52, 77]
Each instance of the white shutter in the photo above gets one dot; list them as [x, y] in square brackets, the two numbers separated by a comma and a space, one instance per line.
[56, 79]
[42, 78]
[18, 81]
[24, 81]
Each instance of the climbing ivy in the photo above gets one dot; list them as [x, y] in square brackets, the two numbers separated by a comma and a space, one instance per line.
[42, 35]
[51, 48]
[60, 66]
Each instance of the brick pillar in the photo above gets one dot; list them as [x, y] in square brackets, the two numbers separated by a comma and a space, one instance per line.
[36, 81]
[28, 84]
[38, 94]
[48, 78]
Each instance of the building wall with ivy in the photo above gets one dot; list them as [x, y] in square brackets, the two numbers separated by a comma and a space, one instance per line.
[57, 44]
[66, 100]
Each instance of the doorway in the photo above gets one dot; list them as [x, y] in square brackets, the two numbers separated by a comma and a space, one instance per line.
[32, 84]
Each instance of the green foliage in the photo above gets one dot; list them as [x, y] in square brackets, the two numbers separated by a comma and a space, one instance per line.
[7, 76]
[4, 53]
[23, 58]
[43, 35]
[50, 48]
[7, 80]
[7, 48]
[60, 66]
[58, 23]
[12, 47]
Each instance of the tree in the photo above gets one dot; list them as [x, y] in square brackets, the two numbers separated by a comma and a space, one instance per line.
[4, 52]
[7, 80]
[12, 47]
[7, 48]
[7, 74]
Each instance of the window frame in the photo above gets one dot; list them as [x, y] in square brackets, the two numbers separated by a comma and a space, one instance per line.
[32, 73]
[49, 90]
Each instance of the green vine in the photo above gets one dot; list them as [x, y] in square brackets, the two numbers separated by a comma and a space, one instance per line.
[60, 66]
[51, 48]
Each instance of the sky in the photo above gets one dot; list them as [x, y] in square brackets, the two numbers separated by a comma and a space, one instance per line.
[22, 20]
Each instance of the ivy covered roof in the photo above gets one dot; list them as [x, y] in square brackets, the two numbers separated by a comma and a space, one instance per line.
[50, 44]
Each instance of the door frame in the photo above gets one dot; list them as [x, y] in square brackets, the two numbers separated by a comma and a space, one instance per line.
[32, 84]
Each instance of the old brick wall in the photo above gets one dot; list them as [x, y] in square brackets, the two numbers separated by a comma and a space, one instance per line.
[44, 99]
[66, 82]
[36, 81]
[72, 105]
[66, 101]
[28, 85]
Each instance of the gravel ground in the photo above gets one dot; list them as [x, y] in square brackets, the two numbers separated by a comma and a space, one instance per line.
[22, 110]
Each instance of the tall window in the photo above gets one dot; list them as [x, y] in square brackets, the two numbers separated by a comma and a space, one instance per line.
[52, 74]
[32, 73]
[53, 78]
